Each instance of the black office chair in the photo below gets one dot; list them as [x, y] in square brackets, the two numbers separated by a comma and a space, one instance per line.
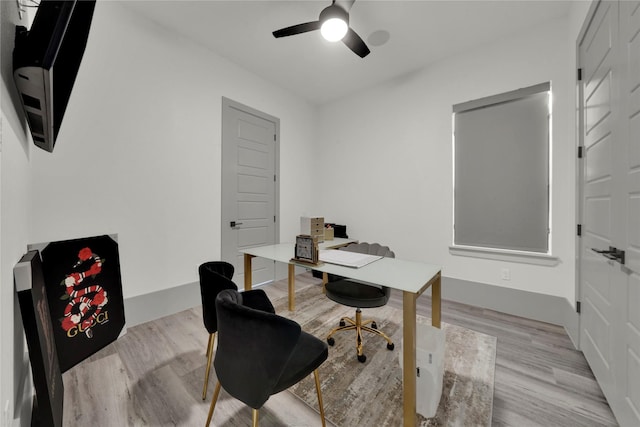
[359, 295]
[215, 276]
[260, 353]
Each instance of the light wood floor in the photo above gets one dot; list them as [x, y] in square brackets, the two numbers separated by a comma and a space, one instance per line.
[540, 380]
[152, 376]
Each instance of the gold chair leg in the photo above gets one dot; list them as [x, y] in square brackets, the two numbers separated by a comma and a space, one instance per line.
[320, 405]
[213, 403]
[349, 324]
[255, 418]
[359, 340]
[377, 332]
[348, 320]
[209, 359]
[340, 328]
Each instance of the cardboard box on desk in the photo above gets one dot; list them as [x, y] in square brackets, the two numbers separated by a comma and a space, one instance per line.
[312, 226]
[328, 234]
[339, 231]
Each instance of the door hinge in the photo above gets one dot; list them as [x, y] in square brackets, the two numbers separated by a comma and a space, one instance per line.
[579, 230]
[578, 307]
[274, 137]
[580, 152]
[274, 178]
[579, 74]
[274, 218]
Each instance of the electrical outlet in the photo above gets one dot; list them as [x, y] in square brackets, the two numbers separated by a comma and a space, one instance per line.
[505, 274]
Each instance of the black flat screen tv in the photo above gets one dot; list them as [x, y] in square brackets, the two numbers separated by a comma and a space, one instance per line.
[46, 59]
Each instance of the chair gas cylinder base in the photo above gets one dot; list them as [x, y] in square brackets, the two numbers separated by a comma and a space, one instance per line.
[359, 295]
[348, 324]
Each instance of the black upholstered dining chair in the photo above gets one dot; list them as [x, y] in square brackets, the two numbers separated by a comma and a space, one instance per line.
[215, 276]
[260, 353]
[359, 295]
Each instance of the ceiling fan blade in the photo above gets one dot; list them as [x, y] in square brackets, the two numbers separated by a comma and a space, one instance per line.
[297, 29]
[355, 43]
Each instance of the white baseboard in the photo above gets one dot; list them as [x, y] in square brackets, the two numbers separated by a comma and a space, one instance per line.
[154, 305]
[545, 308]
[531, 305]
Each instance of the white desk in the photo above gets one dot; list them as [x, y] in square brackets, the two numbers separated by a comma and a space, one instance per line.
[412, 278]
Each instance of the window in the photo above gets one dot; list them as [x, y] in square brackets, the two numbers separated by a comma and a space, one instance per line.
[501, 171]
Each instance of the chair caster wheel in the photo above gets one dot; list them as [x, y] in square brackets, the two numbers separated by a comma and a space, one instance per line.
[374, 325]
[331, 341]
[390, 346]
[362, 358]
[342, 323]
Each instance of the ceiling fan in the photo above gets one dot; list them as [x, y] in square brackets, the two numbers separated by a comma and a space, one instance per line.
[333, 23]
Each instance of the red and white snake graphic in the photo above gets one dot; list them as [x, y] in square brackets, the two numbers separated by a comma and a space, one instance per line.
[83, 299]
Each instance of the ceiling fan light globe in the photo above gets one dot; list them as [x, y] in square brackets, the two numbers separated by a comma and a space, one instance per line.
[334, 29]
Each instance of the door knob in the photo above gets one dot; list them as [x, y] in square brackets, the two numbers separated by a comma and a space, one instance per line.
[612, 254]
[234, 224]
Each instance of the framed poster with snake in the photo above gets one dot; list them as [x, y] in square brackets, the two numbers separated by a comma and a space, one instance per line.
[84, 289]
[45, 369]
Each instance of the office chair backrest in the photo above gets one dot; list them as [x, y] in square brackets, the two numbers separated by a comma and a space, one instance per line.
[215, 276]
[363, 248]
[253, 348]
[369, 248]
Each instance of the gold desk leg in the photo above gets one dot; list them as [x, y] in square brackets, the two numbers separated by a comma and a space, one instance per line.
[409, 358]
[247, 272]
[435, 302]
[325, 280]
[292, 287]
[255, 417]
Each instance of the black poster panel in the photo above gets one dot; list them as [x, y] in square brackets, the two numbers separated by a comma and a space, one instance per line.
[34, 308]
[84, 288]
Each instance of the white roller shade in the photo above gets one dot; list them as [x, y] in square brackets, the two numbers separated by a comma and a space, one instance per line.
[501, 178]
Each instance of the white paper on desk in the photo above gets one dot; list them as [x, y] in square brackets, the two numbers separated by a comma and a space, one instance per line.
[346, 258]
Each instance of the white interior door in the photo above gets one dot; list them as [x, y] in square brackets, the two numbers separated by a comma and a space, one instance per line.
[609, 55]
[628, 376]
[249, 187]
[597, 59]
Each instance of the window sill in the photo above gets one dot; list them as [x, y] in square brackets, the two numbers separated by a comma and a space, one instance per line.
[505, 255]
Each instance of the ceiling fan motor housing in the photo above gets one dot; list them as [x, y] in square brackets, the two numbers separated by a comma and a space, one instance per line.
[334, 11]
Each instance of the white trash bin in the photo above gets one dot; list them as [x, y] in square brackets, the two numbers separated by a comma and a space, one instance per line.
[430, 368]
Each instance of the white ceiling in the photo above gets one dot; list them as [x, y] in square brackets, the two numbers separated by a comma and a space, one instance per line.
[421, 32]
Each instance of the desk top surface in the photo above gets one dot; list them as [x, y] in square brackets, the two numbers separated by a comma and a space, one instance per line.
[410, 276]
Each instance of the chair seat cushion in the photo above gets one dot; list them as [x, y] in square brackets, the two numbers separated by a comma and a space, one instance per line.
[307, 356]
[356, 294]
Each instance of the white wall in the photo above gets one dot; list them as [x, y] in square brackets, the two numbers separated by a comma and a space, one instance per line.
[14, 220]
[14, 180]
[139, 151]
[394, 146]
[138, 154]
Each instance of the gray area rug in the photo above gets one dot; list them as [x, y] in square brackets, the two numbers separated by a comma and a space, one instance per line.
[370, 394]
